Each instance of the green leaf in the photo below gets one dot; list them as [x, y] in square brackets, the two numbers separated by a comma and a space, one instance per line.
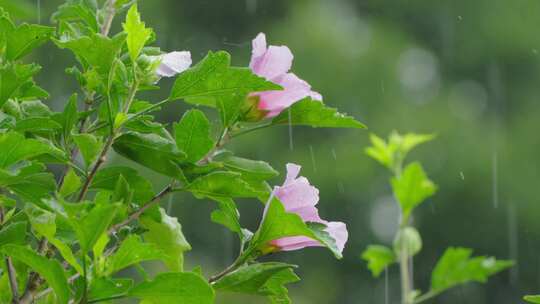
[122, 192]
[50, 270]
[381, 151]
[76, 11]
[175, 288]
[221, 184]
[378, 258]
[137, 33]
[276, 286]
[152, 151]
[71, 183]
[314, 113]
[532, 299]
[106, 179]
[192, 135]
[213, 76]
[90, 227]
[266, 279]
[44, 223]
[96, 51]
[89, 146]
[22, 39]
[13, 234]
[106, 288]
[456, 266]
[29, 182]
[278, 223]
[37, 124]
[34, 108]
[250, 169]
[20, 148]
[321, 235]
[391, 154]
[13, 78]
[167, 235]
[230, 106]
[68, 119]
[227, 215]
[409, 141]
[66, 253]
[412, 187]
[133, 251]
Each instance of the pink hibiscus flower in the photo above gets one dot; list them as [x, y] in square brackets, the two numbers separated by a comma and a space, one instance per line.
[273, 63]
[298, 196]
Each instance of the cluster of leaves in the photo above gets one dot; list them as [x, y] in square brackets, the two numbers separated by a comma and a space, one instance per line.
[64, 236]
[411, 187]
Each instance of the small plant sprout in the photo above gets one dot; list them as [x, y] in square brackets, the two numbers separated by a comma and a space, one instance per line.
[411, 187]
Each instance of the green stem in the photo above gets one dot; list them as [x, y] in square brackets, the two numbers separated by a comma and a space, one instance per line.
[107, 299]
[246, 131]
[237, 263]
[148, 110]
[84, 298]
[430, 294]
[405, 275]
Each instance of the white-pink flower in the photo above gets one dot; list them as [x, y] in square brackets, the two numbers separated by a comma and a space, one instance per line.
[273, 63]
[298, 196]
[173, 63]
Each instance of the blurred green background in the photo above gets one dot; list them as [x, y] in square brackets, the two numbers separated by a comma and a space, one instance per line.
[468, 71]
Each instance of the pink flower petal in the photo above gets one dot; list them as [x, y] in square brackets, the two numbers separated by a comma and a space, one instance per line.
[338, 231]
[259, 48]
[298, 196]
[294, 89]
[270, 62]
[295, 243]
[173, 63]
[274, 63]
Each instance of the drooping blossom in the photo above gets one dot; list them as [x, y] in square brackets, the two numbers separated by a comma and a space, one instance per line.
[273, 63]
[298, 196]
[173, 63]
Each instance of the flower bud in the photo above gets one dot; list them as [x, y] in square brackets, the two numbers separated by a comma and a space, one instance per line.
[408, 239]
[250, 110]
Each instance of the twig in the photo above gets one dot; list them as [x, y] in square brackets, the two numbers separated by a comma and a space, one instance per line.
[10, 270]
[222, 141]
[12, 281]
[48, 290]
[34, 281]
[100, 161]
[109, 7]
[135, 215]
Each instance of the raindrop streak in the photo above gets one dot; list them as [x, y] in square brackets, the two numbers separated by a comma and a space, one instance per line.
[432, 207]
[334, 155]
[169, 204]
[386, 289]
[251, 6]
[462, 175]
[341, 188]
[39, 11]
[494, 180]
[513, 243]
[411, 274]
[290, 132]
[312, 158]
